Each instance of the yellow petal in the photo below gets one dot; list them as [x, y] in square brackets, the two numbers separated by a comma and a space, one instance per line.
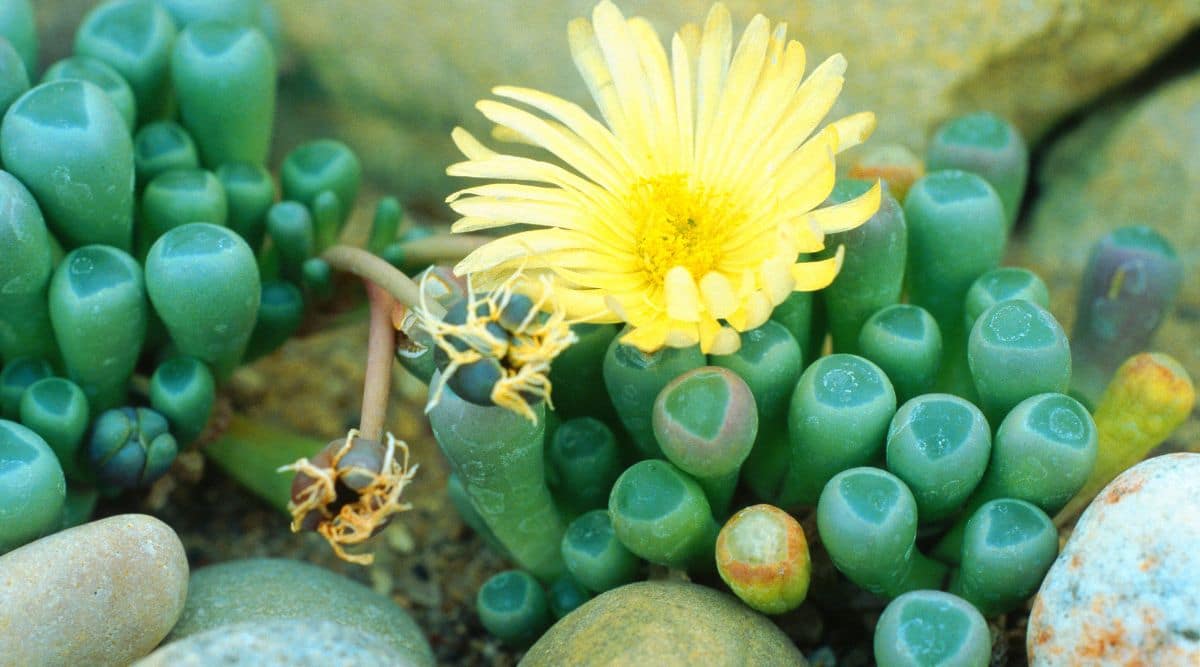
[717, 292]
[513, 191]
[808, 106]
[564, 144]
[468, 224]
[682, 334]
[812, 276]
[795, 170]
[514, 168]
[683, 299]
[765, 112]
[726, 341]
[542, 214]
[755, 309]
[510, 136]
[737, 87]
[612, 34]
[715, 46]
[758, 309]
[589, 60]
[813, 189]
[585, 305]
[616, 307]
[682, 73]
[849, 214]
[708, 328]
[648, 338]
[658, 80]
[853, 130]
[469, 146]
[809, 237]
[777, 278]
[524, 245]
[689, 36]
[572, 116]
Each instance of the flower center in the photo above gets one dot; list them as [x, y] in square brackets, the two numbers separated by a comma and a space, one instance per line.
[677, 226]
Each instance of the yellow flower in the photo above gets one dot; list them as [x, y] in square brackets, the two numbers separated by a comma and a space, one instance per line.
[684, 213]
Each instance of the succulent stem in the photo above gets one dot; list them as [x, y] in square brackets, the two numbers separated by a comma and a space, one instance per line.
[381, 345]
[375, 270]
[441, 248]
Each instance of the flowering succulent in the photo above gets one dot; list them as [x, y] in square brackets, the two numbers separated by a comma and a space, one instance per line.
[684, 212]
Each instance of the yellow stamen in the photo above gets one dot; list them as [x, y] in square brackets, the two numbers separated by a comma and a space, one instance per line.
[678, 225]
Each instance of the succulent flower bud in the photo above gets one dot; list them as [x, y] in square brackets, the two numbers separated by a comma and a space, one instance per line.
[130, 447]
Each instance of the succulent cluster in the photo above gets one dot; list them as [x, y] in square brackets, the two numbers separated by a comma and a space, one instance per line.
[144, 249]
[933, 437]
[924, 417]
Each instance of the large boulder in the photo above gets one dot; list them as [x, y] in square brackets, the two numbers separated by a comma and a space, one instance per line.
[402, 74]
[1132, 163]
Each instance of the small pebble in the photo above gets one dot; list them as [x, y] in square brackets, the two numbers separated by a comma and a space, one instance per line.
[1126, 588]
[290, 643]
[104, 593]
[264, 589]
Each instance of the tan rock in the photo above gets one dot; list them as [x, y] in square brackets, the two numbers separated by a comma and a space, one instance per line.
[104, 593]
[665, 624]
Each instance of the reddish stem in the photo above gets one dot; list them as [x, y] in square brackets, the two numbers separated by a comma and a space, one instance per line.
[381, 346]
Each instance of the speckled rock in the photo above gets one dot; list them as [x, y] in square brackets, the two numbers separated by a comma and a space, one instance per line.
[104, 593]
[404, 73]
[283, 643]
[1131, 164]
[1126, 588]
[664, 623]
[263, 589]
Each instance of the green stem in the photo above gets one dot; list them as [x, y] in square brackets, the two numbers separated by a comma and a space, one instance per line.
[371, 268]
[470, 516]
[925, 574]
[498, 455]
[441, 248]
